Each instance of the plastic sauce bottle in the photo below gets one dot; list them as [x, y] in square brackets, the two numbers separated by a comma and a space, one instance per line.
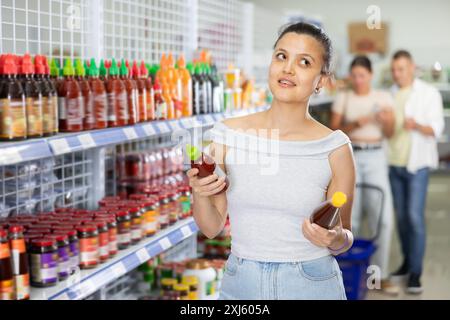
[186, 87]
[160, 103]
[99, 97]
[33, 98]
[20, 263]
[117, 98]
[141, 93]
[55, 74]
[205, 165]
[70, 101]
[150, 99]
[13, 125]
[6, 272]
[52, 98]
[131, 89]
[88, 101]
[327, 215]
[167, 96]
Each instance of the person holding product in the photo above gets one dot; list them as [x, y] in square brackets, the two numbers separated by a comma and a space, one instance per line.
[412, 153]
[367, 116]
[281, 164]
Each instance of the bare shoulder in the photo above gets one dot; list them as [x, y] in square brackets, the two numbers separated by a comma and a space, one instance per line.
[251, 121]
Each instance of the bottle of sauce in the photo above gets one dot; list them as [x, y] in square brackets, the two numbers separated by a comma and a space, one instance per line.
[88, 101]
[217, 90]
[55, 74]
[209, 88]
[205, 164]
[6, 273]
[70, 101]
[13, 124]
[186, 87]
[150, 99]
[20, 263]
[47, 126]
[99, 97]
[142, 93]
[103, 71]
[199, 88]
[53, 98]
[327, 215]
[33, 98]
[168, 98]
[131, 89]
[117, 98]
[160, 103]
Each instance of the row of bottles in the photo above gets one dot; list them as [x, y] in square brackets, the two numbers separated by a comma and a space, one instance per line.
[38, 98]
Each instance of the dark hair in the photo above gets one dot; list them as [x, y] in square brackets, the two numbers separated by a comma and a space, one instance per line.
[402, 54]
[361, 61]
[315, 32]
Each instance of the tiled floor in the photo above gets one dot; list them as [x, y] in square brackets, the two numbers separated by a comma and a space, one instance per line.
[436, 276]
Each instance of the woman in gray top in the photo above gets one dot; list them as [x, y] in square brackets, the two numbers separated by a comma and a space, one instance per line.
[281, 164]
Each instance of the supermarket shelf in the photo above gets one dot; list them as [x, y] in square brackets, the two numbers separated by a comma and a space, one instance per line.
[86, 282]
[16, 152]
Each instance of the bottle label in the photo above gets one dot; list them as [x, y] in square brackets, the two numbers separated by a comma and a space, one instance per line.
[150, 105]
[142, 106]
[74, 111]
[103, 242]
[13, 119]
[7, 290]
[4, 251]
[62, 108]
[123, 238]
[22, 284]
[44, 267]
[161, 110]
[89, 250]
[17, 248]
[89, 109]
[63, 261]
[101, 107]
[54, 108]
[132, 104]
[34, 116]
[122, 106]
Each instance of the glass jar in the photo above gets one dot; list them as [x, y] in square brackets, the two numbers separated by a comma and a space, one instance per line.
[62, 243]
[164, 210]
[185, 201]
[150, 218]
[183, 290]
[123, 229]
[174, 207]
[103, 240]
[43, 262]
[88, 242]
[136, 225]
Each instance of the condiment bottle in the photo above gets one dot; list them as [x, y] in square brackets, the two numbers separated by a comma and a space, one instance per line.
[70, 101]
[160, 102]
[117, 98]
[20, 263]
[150, 100]
[88, 101]
[131, 89]
[12, 104]
[6, 273]
[99, 97]
[141, 103]
[48, 112]
[186, 87]
[327, 214]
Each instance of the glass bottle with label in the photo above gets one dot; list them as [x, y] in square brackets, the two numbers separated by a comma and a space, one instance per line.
[99, 96]
[117, 98]
[88, 101]
[20, 262]
[327, 215]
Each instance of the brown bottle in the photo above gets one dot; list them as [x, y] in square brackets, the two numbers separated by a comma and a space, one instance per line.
[6, 273]
[13, 122]
[327, 215]
[70, 101]
[205, 164]
[88, 101]
[131, 88]
[150, 99]
[53, 97]
[99, 96]
[20, 263]
[33, 98]
[117, 98]
[48, 112]
[142, 93]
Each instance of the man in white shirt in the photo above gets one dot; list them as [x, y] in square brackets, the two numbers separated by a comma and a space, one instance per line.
[419, 122]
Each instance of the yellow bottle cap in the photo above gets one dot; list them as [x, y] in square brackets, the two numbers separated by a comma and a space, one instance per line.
[338, 199]
[193, 152]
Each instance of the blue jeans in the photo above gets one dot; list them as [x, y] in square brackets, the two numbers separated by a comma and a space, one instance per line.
[252, 280]
[409, 192]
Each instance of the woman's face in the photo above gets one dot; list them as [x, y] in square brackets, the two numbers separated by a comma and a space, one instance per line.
[361, 78]
[295, 70]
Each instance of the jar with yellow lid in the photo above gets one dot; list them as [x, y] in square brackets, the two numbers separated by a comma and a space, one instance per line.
[183, 290]
[167, 285]
[206, 275]
[192, 282]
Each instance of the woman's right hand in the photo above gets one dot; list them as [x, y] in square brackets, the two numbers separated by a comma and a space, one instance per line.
[205, 187]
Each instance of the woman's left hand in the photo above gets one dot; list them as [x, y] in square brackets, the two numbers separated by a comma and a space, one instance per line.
[322, 237]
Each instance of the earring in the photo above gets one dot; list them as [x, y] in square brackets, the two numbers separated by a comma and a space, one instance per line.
[317, 90]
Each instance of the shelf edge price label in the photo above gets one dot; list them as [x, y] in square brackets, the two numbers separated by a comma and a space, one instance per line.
[130, 133]
[10, 155]
[86, 141]
[118, 269]
[59, 146]
[142, 255]
[163, 127]
[186, 231]
[165, 243]
[149, 130]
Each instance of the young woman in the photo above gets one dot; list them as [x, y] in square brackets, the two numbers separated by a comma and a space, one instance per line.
[366, 115]
[281, 165]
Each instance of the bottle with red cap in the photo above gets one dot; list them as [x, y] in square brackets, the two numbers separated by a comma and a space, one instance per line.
[53, 100]
[141, 93]
[117, 98]
[160, 103]
[12, 103]
[33, 98]
[6, 272]
[131, 89]
[99, 96]
[86, 91]
[48, 120]
[150, 99]
[20, 262]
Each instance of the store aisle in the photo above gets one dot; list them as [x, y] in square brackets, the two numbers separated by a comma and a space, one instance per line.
[436, 277]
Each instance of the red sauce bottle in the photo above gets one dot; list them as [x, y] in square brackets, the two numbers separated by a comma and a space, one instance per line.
[6, 272]
[160, 103]
[99, 96]
[150, 100]
[117, 98]
[141, 93]
[13, 125]
[70, 101]
[52, 99]
[33, 98]
[205, 164]
[327, 215]
[20, 262]
[47, 125]
[131, 88]
[88, 101]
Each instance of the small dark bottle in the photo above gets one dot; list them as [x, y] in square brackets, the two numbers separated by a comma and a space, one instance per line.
[327, 215]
